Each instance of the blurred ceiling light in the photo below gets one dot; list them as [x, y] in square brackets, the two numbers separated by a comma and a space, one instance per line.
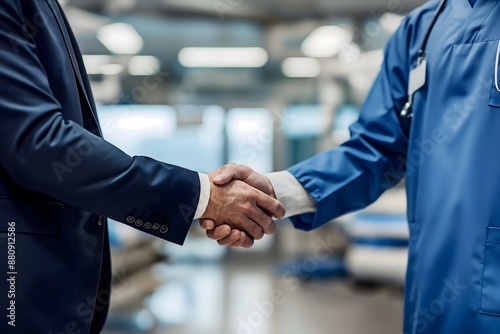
[248, 126]
[93, 63]
[246, 57]
[143, 65]
[301, 67]
[120, 38]
[326, 41]
[101, 64]
[111, 69]
[139, 123]
[390, 22]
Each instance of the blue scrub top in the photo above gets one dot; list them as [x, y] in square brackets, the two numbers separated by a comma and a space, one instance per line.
[448, 153]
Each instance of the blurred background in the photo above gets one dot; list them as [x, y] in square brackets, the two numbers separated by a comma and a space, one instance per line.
[200, 83]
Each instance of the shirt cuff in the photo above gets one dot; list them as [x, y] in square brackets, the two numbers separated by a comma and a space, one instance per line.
[204, 195]
[291, 194]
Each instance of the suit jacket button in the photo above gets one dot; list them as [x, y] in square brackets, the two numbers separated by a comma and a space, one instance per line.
[156, 226]
[139, 222]
[130, 219]
[163, 229]
[148, 225]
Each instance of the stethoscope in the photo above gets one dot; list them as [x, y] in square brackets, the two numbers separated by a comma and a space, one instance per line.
[422, 57]
[497, 85]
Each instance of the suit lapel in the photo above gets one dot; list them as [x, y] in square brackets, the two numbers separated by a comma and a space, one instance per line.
[84, 86]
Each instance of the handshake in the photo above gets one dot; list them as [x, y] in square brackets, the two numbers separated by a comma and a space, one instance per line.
[241, 206]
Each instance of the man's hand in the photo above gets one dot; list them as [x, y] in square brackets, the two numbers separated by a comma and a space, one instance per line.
[236, 207]
[246, 174]
[224, 234]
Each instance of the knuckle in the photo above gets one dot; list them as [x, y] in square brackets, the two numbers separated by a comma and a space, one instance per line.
[255, 193]
[268, 225]
[254, 232]
[236, 244]
[259, 234]
[247, 193]
[234, 236]
[247, 208]
[204, 224]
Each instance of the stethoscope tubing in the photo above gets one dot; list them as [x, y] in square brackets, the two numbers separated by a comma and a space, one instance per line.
[497, 85]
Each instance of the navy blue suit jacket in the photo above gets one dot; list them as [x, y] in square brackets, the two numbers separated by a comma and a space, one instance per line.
[59, 180]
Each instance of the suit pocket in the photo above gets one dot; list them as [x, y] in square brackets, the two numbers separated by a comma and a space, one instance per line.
[494, 97]
[490, 291]
[32, 217]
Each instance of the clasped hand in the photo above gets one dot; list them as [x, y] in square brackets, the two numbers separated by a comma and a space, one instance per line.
[241, 207]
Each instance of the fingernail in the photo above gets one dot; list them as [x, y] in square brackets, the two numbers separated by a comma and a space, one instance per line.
[218, 177]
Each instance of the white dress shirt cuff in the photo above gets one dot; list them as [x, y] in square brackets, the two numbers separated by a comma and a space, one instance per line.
[204, 195]
[291, 194]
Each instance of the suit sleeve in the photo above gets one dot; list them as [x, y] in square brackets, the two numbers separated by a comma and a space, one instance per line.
[355, 174]
[45, 153]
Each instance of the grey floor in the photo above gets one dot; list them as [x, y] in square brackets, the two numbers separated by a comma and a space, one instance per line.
[249, 297]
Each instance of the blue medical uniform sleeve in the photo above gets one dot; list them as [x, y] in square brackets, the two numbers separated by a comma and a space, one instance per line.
[355, 174]
[48, 154]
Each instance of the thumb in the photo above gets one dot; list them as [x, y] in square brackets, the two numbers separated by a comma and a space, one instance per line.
[223, 177]
[207, 224]
[229, 172]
